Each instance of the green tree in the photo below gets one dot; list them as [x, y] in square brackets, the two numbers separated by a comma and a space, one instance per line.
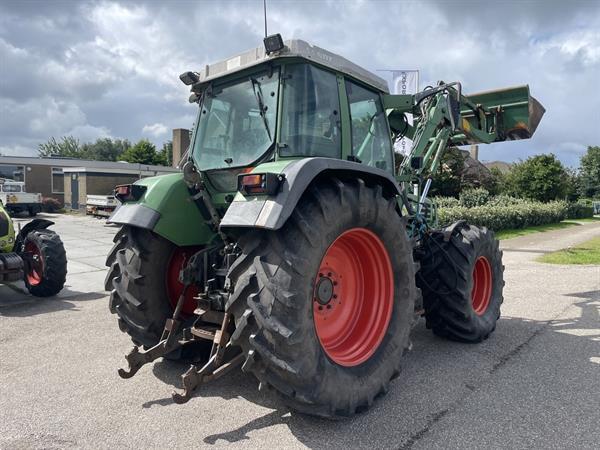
[495, 184]
[144, 152]
[590, 173]
[67, 147]
[573, 189]
[540, 177]
[105, 149]
[164, 157]
[447, 180]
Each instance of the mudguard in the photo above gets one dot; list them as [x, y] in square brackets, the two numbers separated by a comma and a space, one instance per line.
[166, 208]
[271, 212]
[35, 224]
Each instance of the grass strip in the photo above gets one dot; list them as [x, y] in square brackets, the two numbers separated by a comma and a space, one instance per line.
[587, 252]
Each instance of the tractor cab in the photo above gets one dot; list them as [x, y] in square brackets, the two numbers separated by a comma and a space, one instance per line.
[294, 102]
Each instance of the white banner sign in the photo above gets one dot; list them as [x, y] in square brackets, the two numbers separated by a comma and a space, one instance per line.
[405, 82]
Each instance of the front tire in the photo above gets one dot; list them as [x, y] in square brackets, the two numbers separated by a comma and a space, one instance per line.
[462, 278]
[280, 304]
[47, 270]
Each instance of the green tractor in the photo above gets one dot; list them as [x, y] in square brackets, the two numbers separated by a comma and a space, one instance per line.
[292, 244]
[35, 255]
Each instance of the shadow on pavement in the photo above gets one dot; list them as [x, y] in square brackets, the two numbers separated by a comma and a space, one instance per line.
[18, 304]
[408, 412]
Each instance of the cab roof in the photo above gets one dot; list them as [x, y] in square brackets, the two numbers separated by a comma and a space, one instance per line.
[294, 48]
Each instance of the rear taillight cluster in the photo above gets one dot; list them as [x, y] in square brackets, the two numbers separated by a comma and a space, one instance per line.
[129, 192]
[259, 183]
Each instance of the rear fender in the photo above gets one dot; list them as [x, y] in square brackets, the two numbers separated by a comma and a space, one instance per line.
[166, 208]
[34, 225]
[271, 212]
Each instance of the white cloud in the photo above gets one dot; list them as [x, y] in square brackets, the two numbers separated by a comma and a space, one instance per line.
[104, 68]
[89, 133]
[155, 130]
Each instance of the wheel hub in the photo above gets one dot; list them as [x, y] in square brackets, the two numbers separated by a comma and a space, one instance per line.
[174, 287]
[36, 270]
[481, 292]
[324, 290]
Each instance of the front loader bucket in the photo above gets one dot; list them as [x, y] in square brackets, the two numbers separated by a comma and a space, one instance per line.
[519, 113]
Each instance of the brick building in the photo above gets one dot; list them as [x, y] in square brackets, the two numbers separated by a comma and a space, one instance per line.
[60, 177]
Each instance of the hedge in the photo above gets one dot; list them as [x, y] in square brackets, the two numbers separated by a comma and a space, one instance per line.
[505, 217]
[580, 210]
[520, 214]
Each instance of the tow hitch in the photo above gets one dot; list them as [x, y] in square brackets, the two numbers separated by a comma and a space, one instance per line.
[210, 325]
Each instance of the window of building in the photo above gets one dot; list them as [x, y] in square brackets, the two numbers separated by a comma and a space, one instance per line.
[58, 181]
[371, 141]
[15, 173]
[311, 113]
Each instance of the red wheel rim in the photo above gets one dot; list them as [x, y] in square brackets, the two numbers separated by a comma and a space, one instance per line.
[36, 268]
[482, 285]
[353, 297]
[179, 258]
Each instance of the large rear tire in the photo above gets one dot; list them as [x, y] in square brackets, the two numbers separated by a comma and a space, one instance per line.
[343, 257]
[462, 278]
[142, 278]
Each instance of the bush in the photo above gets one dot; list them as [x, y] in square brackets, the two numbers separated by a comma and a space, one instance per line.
[580, 210]
[520, 215]
[474, 197]
[506, 200]
[446, 202]
[51, 205]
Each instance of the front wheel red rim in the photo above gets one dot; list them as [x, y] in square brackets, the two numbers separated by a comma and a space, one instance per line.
[353, 297]
[35, 274]
[481, 293]
[178, 260]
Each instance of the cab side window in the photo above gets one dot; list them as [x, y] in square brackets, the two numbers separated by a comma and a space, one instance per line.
[371, 141]
[310, 119]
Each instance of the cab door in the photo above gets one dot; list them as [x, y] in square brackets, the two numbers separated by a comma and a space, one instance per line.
[371, 140]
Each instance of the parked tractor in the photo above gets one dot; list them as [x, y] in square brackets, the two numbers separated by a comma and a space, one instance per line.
[34, 254]
[292, 244]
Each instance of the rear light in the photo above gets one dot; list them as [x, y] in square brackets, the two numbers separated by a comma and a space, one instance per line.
[259, 183]
[129, 192]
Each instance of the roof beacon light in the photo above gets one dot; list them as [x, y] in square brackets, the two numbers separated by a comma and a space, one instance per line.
[273, 43]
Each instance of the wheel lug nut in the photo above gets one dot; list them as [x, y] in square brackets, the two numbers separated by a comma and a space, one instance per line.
[328, 306]
[320, 308]
[320, 275]
[334, 295]
[335, 283]
[329, 274]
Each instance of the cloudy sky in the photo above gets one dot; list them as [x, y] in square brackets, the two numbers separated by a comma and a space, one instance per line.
[110, 68]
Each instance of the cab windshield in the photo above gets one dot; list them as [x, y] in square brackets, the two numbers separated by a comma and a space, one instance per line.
[236, 124]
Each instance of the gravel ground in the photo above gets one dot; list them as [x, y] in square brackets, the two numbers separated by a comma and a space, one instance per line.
[534, 384]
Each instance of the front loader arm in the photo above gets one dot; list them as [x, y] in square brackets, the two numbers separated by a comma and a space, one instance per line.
[444, 116]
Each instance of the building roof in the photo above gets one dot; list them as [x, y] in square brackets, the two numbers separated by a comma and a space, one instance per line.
[87, 165]
[293, 48]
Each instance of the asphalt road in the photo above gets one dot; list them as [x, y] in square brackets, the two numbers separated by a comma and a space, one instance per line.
[534, 384]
